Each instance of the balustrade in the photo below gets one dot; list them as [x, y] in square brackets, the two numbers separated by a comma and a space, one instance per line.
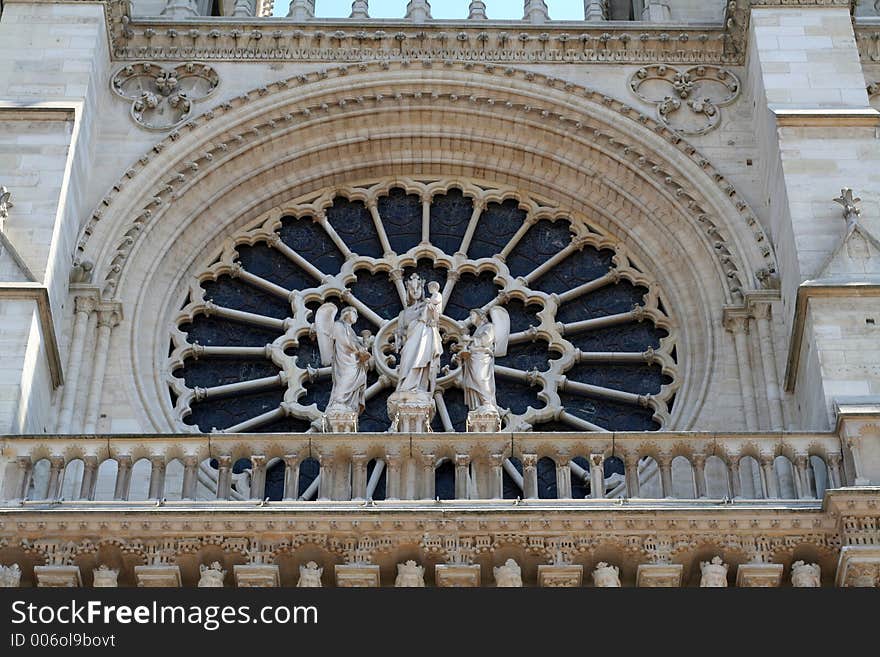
[345, 467]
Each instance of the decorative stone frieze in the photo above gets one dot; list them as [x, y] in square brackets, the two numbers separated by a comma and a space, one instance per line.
[560, 576]
[10, 576]
[859, 566]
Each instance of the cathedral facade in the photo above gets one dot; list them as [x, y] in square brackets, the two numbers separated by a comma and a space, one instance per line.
[363, 302]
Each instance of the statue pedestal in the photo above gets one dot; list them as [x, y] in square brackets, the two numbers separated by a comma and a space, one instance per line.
[357, 575]
[342, 421]
[659, 575]
[57, 576]
[483, 421]
[411, 412]
[257, 576]
[759, 575]
[457, 575]
[562, 576]
[161, 576]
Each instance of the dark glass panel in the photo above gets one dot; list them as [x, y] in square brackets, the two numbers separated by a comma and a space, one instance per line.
[401, 215]
[542, 241]
[450, 215]
[354, 224]
[311, 241]
[498, 223]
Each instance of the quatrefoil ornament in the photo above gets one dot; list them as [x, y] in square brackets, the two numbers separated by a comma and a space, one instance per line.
[687, 101]
[163, 98]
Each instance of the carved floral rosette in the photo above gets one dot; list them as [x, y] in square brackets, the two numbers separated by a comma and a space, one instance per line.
[688, 101]
[163, 98]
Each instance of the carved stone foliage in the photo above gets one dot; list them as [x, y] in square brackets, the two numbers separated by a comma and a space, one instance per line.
[688, 101]
[591, 345]
[163, 98]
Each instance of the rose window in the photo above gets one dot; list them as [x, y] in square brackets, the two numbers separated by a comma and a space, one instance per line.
[590, 346]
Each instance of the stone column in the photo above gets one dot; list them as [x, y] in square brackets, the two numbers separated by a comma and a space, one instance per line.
[834, 470]
[462, 471]
[762, 312]
[530, 476]
[360, 9]
[428, 476]
[123, 477]
[418, 11]
[631, 463]
[224, 477]
[258, 477]
[157, 477]
[771, 489]
[25, 468]
[56, 478]
[301, 10]
[84, 307]
[664, 461]
[107, 319]
[392, 476]
[359, 477]
[802, 477]
[477, 10]
[595, 10]
[656, 12]
[180, 9]
[90, 479]
[291, 476]
[738, 326]
[190, 477]
[535, 11]
[597, 476]
[700, 475]
[735, 479]
[563, 478]
[496, 477]
[325, 484]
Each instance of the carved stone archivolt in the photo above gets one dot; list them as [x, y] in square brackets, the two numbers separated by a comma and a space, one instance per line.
[163, 98]
[688, 101]
[580, 307]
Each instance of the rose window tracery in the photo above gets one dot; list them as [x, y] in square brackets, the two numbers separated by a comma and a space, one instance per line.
[591, 345]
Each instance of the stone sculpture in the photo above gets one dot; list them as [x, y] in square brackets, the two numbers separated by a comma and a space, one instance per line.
[509, 575]
[211, 576]
[310, 576]
[10, 576]
[105, 577]
[477, 360]
[806, 575]
[418, 338]
[5, 205]
[410, 574]
[714, 573]
[349, 357]
[606, 576]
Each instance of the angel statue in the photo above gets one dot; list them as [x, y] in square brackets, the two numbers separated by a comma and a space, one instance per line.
[418, 337]
[477, 359]
[349, 356]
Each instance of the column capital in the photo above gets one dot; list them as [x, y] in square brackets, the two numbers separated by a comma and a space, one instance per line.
[496, 460]
[258, 460]
[462, 459]
[85, 304]
[109, 317]
[529, 460]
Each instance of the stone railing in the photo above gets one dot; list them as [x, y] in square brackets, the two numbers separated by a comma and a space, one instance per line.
[359, 467]
[419, 11]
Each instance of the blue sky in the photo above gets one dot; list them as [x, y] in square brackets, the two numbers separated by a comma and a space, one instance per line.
[559, 9]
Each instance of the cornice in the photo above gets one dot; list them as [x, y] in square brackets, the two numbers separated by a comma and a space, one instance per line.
[39, 294]
[817, 289]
